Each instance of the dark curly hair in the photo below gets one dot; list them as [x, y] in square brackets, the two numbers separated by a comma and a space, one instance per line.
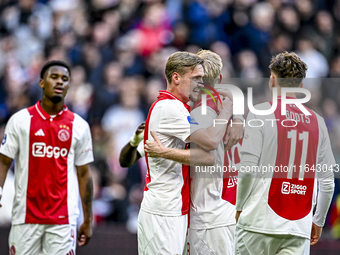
[289, 68]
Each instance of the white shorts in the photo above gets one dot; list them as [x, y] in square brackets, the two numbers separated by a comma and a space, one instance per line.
[36, 239]
[161, 234]
[252, 243]
[213, 241]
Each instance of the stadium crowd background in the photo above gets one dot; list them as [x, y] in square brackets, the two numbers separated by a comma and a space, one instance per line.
[118, 48]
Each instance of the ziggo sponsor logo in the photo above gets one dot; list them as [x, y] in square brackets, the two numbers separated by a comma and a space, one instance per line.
[288, 188]
[41, 150]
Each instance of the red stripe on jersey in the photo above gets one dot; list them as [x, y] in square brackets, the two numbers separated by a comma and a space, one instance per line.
[291, 198]
[231, 159]
[229, 177]
[49, 146]
[185, 192]
[146, 137]
[210, 103]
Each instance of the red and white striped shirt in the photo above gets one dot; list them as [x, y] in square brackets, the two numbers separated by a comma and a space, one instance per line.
[282, 196]
[167, 182]
[46, 150]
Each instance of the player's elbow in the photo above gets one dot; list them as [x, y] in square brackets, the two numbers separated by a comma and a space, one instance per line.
[210, 145]
[124, 162]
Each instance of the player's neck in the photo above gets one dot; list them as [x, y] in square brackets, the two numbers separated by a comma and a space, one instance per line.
[50, 107]
[176, 93]
[289, 94]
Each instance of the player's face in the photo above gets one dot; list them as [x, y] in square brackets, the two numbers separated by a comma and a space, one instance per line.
[55, 83]
[193, 79]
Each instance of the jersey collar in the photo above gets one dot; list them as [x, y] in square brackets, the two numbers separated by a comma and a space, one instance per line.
[163, 94]
[44, 115]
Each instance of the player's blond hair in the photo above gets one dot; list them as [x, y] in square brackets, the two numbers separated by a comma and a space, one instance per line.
[181, 62]
[289, 68]
[212, 66]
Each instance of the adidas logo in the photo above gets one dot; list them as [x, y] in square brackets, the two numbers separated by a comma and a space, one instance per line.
[39, 133]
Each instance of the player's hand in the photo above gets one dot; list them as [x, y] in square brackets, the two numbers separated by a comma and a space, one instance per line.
[140, 128]
[225, 93]
[238, 213]
[227, 105]
[154, 148]
[315, 234]
[234, 134]
[85, 233]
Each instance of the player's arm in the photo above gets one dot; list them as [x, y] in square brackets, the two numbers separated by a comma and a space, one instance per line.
[234, 132]
[209, 138]
[326, 185]
[129, 154]
[245, 181]
[326, 189]
[250, 155]
[5, 163]
[194, 156]
[86, 195]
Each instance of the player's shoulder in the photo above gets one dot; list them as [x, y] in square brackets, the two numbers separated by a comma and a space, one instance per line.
[79, 121]
[19, 117]
[320, 119]
[263, 106]
[171, 107]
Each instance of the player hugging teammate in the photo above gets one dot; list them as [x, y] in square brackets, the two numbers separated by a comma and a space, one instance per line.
[275, 209]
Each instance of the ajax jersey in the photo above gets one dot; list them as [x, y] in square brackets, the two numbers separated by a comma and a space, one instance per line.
[45, 149]
[166, 189]
[292, 148]
[213, 193]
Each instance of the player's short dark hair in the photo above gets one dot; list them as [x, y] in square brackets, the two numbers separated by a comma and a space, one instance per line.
[53, 63]
[289, 68]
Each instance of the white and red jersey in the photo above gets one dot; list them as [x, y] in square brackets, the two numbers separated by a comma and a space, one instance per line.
[213, 194]
[167, 182]
[46, 150]
[282, 199]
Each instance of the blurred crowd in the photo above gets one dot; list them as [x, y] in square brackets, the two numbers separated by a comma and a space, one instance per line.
[118, 49]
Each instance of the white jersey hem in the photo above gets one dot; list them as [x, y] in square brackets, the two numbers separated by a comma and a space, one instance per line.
[271, 232]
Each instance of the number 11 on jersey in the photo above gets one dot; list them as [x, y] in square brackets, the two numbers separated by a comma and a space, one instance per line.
[304, 137]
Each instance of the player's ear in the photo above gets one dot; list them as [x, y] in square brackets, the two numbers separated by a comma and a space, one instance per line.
[221, 76]
[301, 85]
[175, 78]
[41, 83]
[272, 81]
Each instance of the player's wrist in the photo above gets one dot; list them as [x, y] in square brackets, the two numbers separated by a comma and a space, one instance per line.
[0, 192]
[136, 139]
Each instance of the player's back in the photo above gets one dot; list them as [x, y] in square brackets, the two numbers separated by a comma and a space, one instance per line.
[290, 148]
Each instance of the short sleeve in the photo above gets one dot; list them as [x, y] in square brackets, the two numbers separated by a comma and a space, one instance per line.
[10, 142]
[83, 150]
[253, 136]
[199, 121]
[325, 154]
[175, 121]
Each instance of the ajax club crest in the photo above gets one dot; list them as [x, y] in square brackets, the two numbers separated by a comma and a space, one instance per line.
[64, 133]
